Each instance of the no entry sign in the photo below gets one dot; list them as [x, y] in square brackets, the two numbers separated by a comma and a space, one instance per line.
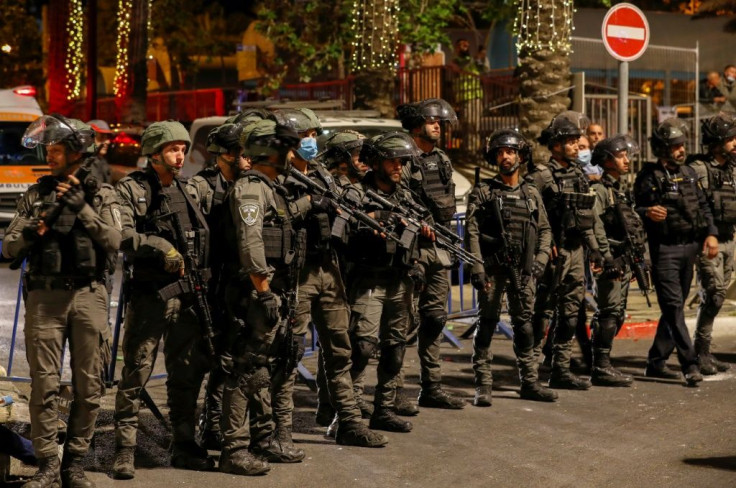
[625, 32]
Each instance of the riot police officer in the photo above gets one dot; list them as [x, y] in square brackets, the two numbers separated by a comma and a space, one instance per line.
[430, 177]
[67, 226]
[342, 155]
[263, 256]
[715, 172]
[507, 226]
[624, 237]
[161, 223]
[569, 204]
[208, 189]
[679, 223]
[381, 291]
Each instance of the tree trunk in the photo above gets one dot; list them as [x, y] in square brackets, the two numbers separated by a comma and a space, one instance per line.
[543, 71]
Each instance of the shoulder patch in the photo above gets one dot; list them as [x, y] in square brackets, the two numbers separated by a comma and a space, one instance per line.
[249, 213]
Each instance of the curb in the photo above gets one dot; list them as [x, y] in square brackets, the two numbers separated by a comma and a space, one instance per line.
[638, 330]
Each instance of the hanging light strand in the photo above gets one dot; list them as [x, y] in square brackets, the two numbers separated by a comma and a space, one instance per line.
[539, 28]
[74, 52]
[120, 85]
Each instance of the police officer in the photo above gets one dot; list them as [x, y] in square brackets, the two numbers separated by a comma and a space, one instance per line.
[263, 254]
[679, 223]
[208, 189]
[507, 226]
[569, 204]
[715, 172]
[623, 232]
[68, 227]
[155, 207]
[430, 177]
[342, 155]
[381, 291]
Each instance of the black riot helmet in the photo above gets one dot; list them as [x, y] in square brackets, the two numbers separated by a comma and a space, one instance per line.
[339, 148]
[390, 145]
[608, 148]
[672, 132]
[717, 129]
[224, 139]
[57, 129]
[247, 116]
[507, 138]
[566, 124]
[413, 115]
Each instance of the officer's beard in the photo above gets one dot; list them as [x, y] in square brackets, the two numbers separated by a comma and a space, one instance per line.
[511, 169]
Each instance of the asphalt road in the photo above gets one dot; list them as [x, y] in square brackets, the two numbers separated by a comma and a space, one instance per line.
[655, 434]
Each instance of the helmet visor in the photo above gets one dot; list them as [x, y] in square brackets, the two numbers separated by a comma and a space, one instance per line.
[48, 130]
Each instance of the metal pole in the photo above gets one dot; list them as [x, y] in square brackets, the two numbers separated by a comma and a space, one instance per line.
[623, 97]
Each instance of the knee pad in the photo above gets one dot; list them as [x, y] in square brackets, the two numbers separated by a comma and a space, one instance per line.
[434, 323]
[392, 358]
[484, 332]
[363, 349]
[524, 336]
[565, 330]
[713, 304]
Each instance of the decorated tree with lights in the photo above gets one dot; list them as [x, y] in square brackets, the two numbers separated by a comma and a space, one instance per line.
[20, 46]
[543, 29]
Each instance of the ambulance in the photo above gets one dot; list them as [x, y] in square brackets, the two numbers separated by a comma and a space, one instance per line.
[19, 167]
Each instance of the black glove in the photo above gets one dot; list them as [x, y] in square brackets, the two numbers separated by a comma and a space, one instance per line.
[30, 231]
[596, 258]
[611, 269]
[73, 198]
[478, 280]
[270, 307]
[538, 270]
[321, 203]
[416, 273]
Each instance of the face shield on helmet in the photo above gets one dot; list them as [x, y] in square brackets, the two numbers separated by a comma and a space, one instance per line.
[508, 138]
[247, 116]
[391, 145]
[612, 147]
[563, 126]
[715, 131]
[666, 137]
[301, 120]
[437, 108]
[340, 148]
[52, 129]
[224, 139]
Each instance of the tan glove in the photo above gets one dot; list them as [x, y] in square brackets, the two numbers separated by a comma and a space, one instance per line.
[173, 261]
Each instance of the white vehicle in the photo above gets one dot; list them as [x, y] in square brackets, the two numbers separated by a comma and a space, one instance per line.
[19, 167]
[331, 123]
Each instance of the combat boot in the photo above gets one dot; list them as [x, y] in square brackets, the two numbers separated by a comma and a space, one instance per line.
[243, 463]
[189, 455]
[482, 396]
[325, 414]
[386, 419]
[565, 380]
[72, 472]
[610, 376]
[403, 406]
[356, 433]
[366, 408]
[332, 429]
[48, 475]
[702, 349]
[123, 467]
[537, 393]
[209, 438]
[693, 376]
[279, 448]
[433, 396]
[720, 365]
[663, 373]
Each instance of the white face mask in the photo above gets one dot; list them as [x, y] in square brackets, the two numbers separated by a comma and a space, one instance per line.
[730, 79]
[584, 156]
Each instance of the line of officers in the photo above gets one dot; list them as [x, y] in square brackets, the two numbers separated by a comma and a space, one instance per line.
[277, 236]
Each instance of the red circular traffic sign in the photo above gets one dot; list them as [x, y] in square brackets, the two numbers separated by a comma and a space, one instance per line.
[625, 32]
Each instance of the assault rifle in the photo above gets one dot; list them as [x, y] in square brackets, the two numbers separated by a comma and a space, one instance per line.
[506, 256]
[194, 283]
[349, 209]
[633, 256]
[414, 214]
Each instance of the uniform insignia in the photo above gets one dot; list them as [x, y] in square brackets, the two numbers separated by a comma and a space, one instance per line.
[249, 213]
[141, 199]
[117, 219]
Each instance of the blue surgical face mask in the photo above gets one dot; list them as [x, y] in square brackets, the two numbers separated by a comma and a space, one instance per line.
[584, 156]
[307, 148]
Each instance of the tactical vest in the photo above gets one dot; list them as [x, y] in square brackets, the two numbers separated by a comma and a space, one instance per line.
[67, 249]
[162, 204]
[438, 189]
[679, 196]
[722, 197]
[318, 223]
[216, 222]
[573, 210]
[620, 221]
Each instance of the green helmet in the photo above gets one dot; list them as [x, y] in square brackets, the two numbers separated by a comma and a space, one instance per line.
[57, 129]
[247, 116]
[224, 138]
[160, 133]
[339, 148]
[301, 119]
[390, 145]
[266, 137]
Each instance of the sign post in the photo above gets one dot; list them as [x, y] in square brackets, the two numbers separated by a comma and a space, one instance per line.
[625, 34]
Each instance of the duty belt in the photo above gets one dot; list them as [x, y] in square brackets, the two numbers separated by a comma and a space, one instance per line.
[58, 282]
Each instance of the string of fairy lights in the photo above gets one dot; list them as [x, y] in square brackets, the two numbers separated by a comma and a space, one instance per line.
[120, 83]
[376, 28]
[531, 26]
[74, 54]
